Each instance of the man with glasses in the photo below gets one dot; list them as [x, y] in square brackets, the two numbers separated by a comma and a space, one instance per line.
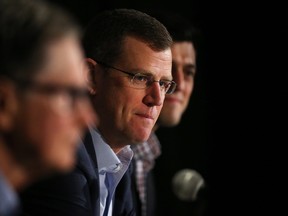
[156, 166]
[129, 59]
[44, 105]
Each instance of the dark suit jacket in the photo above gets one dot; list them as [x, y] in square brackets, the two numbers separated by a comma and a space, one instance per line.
[125, 200]
[75, 193]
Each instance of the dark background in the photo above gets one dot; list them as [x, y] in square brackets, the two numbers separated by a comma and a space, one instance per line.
[237, 119]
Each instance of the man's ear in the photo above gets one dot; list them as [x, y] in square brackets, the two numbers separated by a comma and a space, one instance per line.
[8, 105]
[89, 74]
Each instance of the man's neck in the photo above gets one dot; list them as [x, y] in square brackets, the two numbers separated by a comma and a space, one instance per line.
[14, 173]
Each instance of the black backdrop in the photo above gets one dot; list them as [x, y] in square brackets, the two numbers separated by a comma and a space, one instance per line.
[237, 116]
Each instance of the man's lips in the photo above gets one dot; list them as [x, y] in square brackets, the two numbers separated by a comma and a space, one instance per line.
[173, 99]
[146, 116]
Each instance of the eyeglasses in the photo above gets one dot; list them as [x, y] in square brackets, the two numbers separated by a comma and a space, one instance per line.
[143, 81]
[72, 93]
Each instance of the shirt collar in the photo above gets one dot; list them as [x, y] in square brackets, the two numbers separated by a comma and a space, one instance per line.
[106, 158]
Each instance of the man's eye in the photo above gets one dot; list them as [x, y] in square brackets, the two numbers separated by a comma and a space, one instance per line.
[164, 83]
[189, 73]
[141, 78]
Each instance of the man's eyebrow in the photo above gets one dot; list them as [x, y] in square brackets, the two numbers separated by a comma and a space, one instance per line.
[149, 73]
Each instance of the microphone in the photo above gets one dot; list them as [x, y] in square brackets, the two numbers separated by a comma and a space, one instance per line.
[186, 184]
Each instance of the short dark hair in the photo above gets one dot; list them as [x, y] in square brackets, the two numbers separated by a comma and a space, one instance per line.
[26, 26]
[104, 35]
[179, 26]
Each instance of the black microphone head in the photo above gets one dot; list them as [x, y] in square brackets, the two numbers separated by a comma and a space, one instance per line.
[186, 184]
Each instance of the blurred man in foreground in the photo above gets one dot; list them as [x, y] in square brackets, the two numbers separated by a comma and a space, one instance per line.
[44, 108]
